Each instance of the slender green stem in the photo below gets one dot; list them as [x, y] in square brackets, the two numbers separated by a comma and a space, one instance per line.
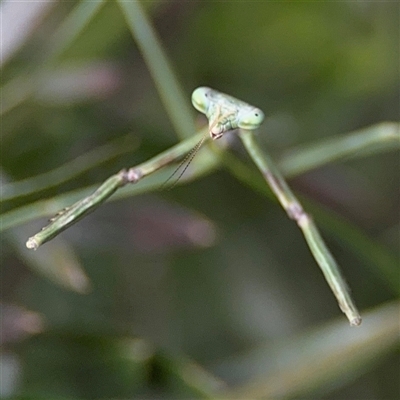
[164, 78]
[296, 212]
[15, 92]
[381, 137]
[74, 213]
[66, 172]
[71, 28]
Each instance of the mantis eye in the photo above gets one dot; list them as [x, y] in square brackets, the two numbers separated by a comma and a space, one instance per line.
[200, 99]
[250, 119]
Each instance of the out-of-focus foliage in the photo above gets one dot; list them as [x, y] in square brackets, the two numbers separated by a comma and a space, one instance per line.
[202, 289]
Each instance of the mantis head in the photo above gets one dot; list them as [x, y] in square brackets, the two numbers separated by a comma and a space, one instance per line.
[224, 112]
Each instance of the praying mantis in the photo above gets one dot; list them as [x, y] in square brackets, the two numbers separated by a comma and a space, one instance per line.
[224, 113]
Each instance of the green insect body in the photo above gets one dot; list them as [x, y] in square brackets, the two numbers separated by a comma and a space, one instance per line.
[224, 112]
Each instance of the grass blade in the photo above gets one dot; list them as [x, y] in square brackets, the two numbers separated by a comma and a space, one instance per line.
[23, 86]
[371, 140]
[65, 172]
[171, 95]
[303, 365]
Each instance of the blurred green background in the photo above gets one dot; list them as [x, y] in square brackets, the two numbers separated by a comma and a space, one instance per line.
[183, 293]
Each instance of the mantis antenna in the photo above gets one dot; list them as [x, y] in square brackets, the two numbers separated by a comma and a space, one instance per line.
[224, 113]
[188, 159]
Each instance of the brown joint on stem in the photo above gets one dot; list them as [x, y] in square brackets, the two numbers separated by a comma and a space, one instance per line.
[295, 211]
[132, 175]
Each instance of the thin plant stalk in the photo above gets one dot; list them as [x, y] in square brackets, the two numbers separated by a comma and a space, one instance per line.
[71, 27]
[164, 78]
[295, 211]
[371, 140]
[66, 172]
[81, 208]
